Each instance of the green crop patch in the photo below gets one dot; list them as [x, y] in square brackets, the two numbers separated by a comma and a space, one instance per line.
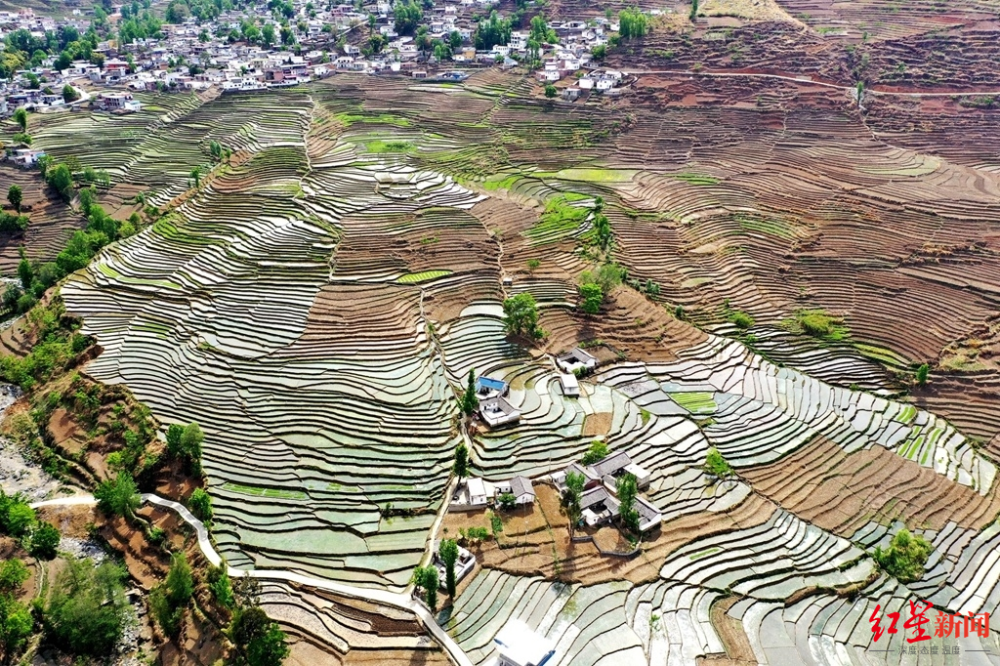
[259, 491]
[695, 402]
[380, 146]
[425, 276]
[696, 178]
[559, 220]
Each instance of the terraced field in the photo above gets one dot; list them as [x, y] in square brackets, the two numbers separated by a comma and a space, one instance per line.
[316, 303]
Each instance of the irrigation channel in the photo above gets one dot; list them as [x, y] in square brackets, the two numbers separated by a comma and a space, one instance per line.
[401, 600]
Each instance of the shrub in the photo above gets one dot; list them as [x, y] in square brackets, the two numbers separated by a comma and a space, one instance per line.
[218, 582]
[200, 504]
[507, 501]
[13, 573]
[598, 451]
[118, 496]
[44, 542]
[741, 319]
[180, 581]
[168, 617]
[591, 297]
[716, 465]
[905, 557]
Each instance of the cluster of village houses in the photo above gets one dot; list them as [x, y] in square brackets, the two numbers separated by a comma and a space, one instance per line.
[193, 56]
[599, 501]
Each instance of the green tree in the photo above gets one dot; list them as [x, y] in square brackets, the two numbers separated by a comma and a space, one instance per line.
[632, 23]
[257, 640]
[600, 52]
[16, 197]
[716, 465]
[407, 16]
[86, 201]
[267, 35]
[200, 504]
[461, 466]
[627, 488]
[19, 520]
[455, 40]
[550, 91]
[191, 441]
[426, 578]
[21, 118]
[693, 15]
[492, 32]
[905, 557]
[922, 373]
[521, 315]
[86, 610]
[196, 176]
[571, 498]
[174, 432]
[61, 180]
[469, 402]
[507, 501]
[44, 542]
[69, 94]
[13, 573]
[591, 298]
[15, 628]
[180, 581]
[218, 582]
[118, 496]
[167, 615]
[448, 551]
[598, 451]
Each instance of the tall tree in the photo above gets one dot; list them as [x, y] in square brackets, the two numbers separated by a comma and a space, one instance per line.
[469, 402]
[180, 582]
[16, 197]
[461, 467]
[21, 118]
[571, 498]
[448, 550]
[627, 488]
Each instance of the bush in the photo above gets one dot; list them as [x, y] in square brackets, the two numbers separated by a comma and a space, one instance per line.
[200, 504]
[905, 557]
[507, 501]
[741, 319]
[716, 465]
[44, 542]
[16, 517]
[13, 573]
[168, 617]
[218, 582]
[591, 297]
[118, 497]
[598, 451]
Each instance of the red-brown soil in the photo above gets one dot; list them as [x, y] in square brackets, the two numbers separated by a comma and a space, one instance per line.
[841, 492]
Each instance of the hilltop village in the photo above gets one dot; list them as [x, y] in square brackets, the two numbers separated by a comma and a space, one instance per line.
[98, 58]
